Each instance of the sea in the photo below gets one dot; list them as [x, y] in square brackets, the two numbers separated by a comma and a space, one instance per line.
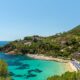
[2, 43]
[25, 68]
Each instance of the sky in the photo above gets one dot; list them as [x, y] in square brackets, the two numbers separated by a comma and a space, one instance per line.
[20, 18]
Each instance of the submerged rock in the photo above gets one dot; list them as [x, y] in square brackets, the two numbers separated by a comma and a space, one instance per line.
[31, 75]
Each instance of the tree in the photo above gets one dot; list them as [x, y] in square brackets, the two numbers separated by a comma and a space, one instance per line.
[3, 68]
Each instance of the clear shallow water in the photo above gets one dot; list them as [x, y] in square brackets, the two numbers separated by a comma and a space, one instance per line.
[25, 68]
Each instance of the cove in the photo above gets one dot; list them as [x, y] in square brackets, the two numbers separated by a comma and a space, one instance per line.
[24, 68]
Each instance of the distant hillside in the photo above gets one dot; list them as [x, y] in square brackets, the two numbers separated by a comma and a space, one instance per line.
[75, 31]
[65, 44]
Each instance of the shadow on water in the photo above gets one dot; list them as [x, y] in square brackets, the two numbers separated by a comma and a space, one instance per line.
[34, 70]
[24, 66]
[17, 60]
[31, 75]
[27, 76]
[15, 57]
[14, 63]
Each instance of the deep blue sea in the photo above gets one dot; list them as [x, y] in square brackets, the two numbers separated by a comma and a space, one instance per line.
[2, 43]
[25, 68]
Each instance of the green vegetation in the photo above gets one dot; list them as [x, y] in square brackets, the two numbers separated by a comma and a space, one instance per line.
[65, 45]
[66, 76]
[0, 48]
[4, 74]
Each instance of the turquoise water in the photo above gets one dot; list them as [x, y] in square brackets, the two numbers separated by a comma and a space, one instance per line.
[25, 68]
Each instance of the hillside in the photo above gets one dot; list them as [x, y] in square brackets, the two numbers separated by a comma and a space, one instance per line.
[66, 76]
[65, 44]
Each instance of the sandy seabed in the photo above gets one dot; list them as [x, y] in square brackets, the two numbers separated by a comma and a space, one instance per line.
[68, 65]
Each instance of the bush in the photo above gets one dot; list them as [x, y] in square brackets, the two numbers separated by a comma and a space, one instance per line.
[66, 76]
[4, 74]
